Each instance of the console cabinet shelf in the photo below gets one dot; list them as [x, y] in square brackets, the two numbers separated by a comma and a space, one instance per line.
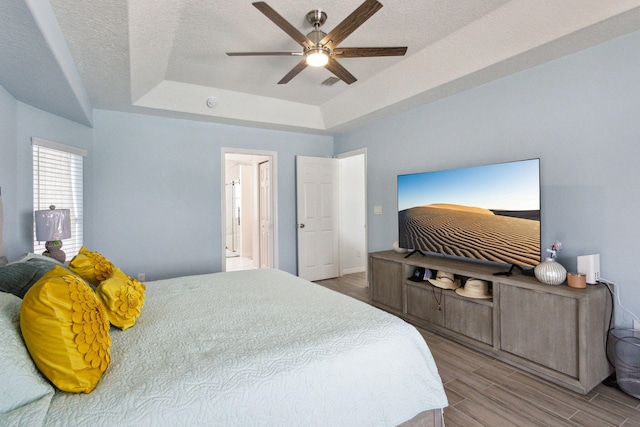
[555, 332]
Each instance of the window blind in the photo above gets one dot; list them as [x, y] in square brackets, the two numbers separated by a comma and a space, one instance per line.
[57, 180]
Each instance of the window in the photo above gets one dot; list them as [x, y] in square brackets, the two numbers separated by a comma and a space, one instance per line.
[57, 180]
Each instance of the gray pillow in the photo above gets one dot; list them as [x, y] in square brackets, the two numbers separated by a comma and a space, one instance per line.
[18, 277]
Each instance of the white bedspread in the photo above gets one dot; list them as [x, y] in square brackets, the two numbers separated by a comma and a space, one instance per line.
[258, 347]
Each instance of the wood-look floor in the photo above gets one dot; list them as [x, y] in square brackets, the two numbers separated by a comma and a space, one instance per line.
[483, 391]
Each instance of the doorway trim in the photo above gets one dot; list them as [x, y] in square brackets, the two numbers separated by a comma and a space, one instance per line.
[273, 159]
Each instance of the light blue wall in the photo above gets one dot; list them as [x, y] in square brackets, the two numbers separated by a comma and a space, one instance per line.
[19, 122]
[157, 201]
[578, 114]
[8, 114]
[152, 185]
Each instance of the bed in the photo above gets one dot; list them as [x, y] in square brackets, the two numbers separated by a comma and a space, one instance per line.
[257, 347]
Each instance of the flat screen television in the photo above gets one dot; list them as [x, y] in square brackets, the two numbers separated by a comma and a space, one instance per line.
[488, 213]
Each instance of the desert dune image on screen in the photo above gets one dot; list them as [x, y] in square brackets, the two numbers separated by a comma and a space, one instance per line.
[489, 212]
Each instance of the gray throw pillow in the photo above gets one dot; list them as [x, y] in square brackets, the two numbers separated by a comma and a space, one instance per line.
[17, 278]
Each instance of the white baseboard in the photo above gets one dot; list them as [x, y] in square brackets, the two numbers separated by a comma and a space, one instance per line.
[353, 270]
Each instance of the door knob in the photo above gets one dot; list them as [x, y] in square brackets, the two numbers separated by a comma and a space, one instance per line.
[301, 225]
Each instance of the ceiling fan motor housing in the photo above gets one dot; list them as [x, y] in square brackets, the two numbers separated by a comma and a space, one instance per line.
[316, 18]
[315, 36]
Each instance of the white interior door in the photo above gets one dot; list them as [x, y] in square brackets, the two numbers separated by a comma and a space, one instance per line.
[264, 207]
[317, 216]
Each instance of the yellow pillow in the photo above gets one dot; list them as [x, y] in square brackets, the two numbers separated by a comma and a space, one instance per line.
[122, 297]
[66, 331]
[91, 266]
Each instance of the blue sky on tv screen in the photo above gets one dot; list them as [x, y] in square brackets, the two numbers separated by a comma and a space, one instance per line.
[503, 186]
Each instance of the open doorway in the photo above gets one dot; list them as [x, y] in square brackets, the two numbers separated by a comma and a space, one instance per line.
[248, 220]
[353, 215]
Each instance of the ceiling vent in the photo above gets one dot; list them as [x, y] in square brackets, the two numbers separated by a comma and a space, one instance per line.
[330, 81]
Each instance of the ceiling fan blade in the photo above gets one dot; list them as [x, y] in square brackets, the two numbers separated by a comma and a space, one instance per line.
[283, 24]
[264, 53]
[361, 52]
[294, 71]
[365, 11]
[341, 72]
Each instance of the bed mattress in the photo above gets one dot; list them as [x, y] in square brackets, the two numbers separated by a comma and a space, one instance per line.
[259, 347]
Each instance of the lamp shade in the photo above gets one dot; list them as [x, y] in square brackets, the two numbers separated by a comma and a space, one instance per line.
[53, 224]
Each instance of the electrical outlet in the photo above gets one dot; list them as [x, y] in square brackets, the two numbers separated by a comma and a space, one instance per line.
[636, 325]
[142, 277]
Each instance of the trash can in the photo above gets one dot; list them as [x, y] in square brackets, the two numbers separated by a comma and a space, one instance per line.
[624, 352]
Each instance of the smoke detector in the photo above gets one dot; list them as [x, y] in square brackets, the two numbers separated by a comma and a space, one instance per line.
[212, 102]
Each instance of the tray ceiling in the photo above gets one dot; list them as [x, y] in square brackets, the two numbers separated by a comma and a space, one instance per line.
[168, 58]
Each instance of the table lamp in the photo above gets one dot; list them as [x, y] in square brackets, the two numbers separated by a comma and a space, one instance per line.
[51, 226]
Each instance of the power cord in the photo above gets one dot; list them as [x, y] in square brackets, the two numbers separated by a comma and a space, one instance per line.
[609, 284]
[609, 327]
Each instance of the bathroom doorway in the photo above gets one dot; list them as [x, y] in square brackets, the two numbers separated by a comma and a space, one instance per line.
[248, 220]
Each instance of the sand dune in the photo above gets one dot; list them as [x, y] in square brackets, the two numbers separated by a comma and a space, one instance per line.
[465, 232]
[459, 208]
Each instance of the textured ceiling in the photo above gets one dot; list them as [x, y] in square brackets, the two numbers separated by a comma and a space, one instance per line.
[167, 57]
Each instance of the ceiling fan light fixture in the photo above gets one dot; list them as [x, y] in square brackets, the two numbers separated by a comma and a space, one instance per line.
[317, 57]
[321, 49]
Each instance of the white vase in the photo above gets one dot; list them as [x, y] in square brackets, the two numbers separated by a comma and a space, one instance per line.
[550, 272]
[398, 249]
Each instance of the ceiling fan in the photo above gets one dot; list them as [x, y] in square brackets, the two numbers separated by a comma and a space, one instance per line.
[320, 49]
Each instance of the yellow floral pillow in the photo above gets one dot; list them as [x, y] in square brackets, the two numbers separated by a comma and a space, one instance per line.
[123, 298]
[91, 266]
[66, 331]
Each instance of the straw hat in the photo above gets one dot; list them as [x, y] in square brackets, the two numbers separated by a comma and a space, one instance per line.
[445, 280]
[475, 288]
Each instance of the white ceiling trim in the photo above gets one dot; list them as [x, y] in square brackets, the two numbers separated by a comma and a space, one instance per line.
[231, 106]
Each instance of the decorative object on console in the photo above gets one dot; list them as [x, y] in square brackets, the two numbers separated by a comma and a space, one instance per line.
[577, 280]
[549, 271]
[475, 288]
[51, 226]
[398, 249]
[445, 280]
